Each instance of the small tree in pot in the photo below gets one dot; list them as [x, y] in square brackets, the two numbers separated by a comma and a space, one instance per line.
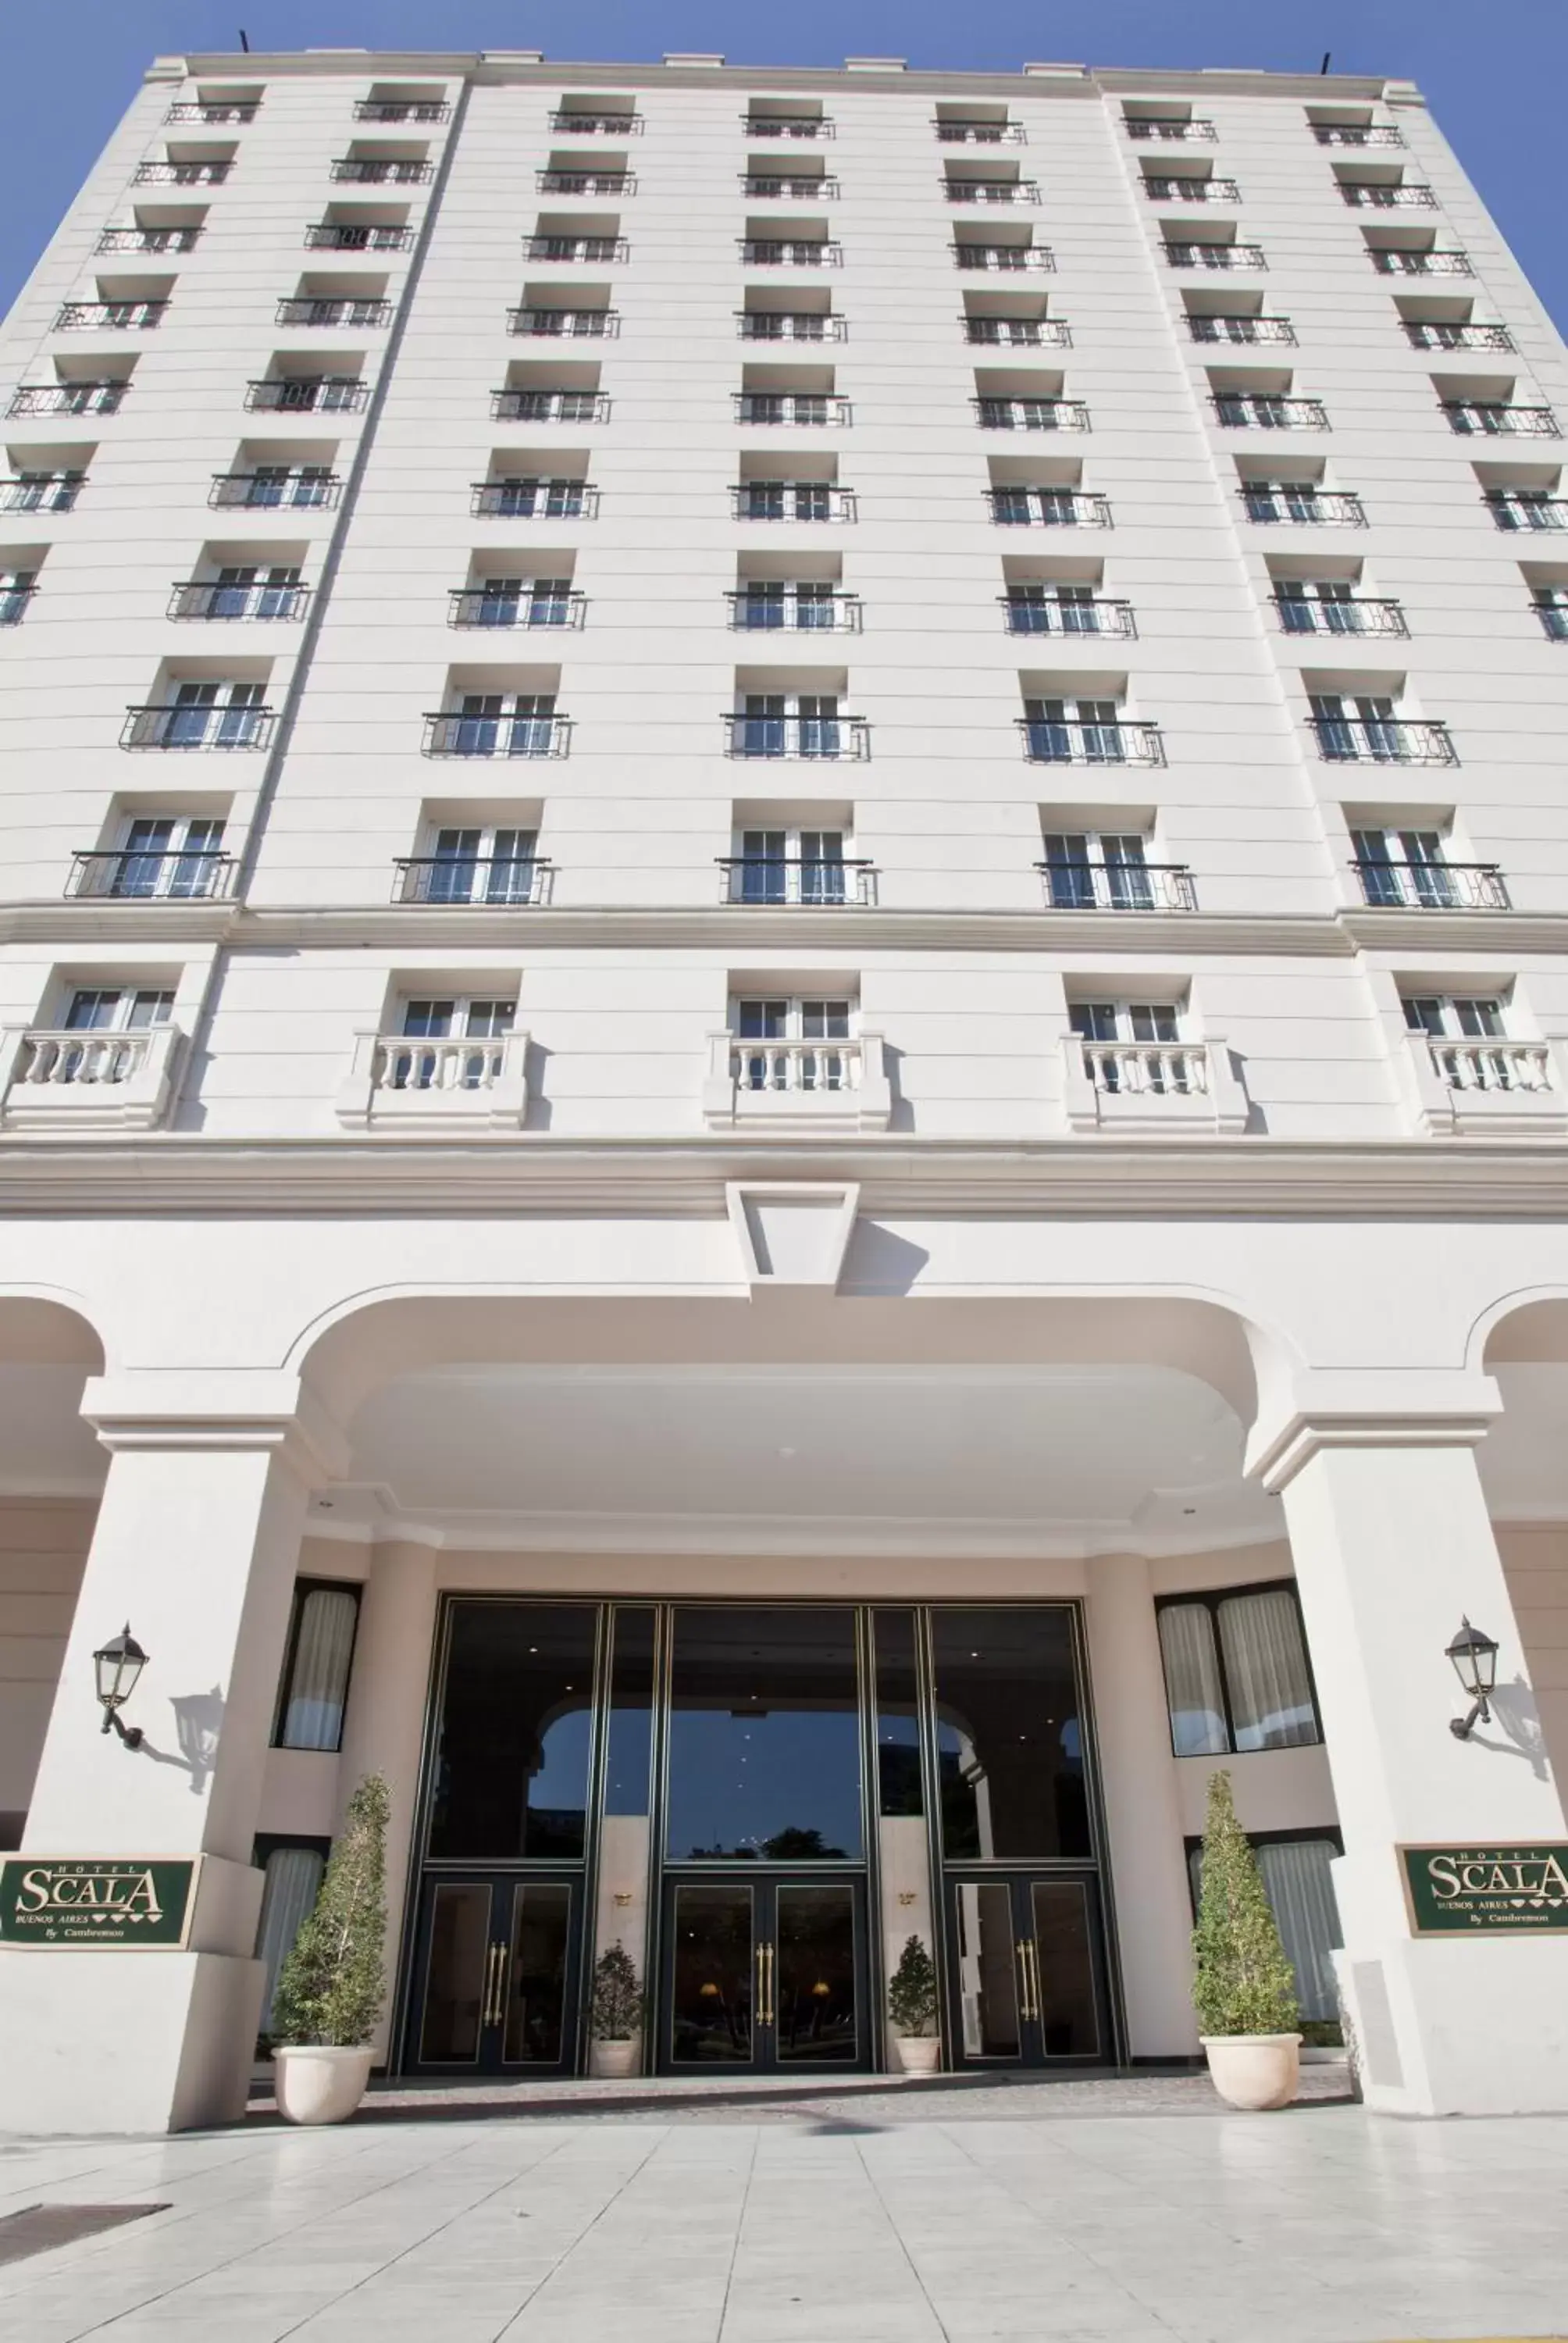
[912, 2008]
[614, 2019]
[1243, 1987]
[331, 1988]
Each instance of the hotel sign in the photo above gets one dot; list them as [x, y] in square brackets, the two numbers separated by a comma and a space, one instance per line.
[1460, 1890]
[130, 1901]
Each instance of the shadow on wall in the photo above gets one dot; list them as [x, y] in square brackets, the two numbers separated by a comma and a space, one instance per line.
[199, 1721]
[878, 1261]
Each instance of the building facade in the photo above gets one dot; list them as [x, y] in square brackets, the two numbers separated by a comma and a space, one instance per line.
[784, 1094]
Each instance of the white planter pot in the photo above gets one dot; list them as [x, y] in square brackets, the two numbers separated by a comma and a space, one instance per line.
[920, 2054]
[314, 2085]
[613, 2061]
[1254, 2071]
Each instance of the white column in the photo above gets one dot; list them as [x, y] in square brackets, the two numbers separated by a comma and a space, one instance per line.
[384, 1726]
[195, 1546]
[1393, 1544]
[1142, 1809]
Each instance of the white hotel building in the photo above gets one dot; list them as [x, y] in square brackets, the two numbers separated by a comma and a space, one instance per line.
[784, 1092]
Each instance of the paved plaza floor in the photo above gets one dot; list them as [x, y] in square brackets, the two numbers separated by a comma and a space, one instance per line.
[1113, 2212]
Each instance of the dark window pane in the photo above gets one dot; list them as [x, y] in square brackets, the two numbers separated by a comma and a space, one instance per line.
[1064, 1968]
[814, 1998]
[512, 1757]
[899, 1789]
[455, 1978]
[629, 1759]
[1009, 1739]
[536, 1973]
[710, 1998]
[987, 1978]
[764, 1735]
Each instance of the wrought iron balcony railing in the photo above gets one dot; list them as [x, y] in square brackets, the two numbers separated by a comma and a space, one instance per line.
[613, 125]
[799, 501]
[1167, 188]
[351, 236]
[1043, 614]
[565, 250]
[364, 171]
[1554, 618]
[454, 735]
[1171, 129]
[1002, 259]
[966, 130]
[796, 735]
[103, 398]
[14, 602]
[1050, 741]
[1334, 507]
[133, 874]
[214, 110]
[796, 407]
[516, 880]
[789, 252]
[535, 500]
[1047, 509]
[1490, 419]
[1118, 886]
[786, 186]
[765, 610]
[201, 599]
[1018, 333]
[1246, 329]
[1030, 414]
[787, 125]
[1386, 195]
[1431, 334]
[1432, 886]
[310, 309]
[1381, 740]
[1220, 257]
[1254, 410]
[775, 879]
[1389, 262]
[1349, 613]
[148, 239]
[180, 175]
[992, 191]
[402, 109]
[112, 317]
[791, 326]
[484, 606]
[274, 491]
[44, 494]
[1356, 134]
[565, 325]
[1526, 508]
[179, 725]
[585, 182]
[549, 405]
[308, 395]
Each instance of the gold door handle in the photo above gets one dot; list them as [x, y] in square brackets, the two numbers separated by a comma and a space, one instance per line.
[1032, 1949]
[1026, 2007]
[496, 1984]
[768, 2016]
[761, 1959]
[488, 1995]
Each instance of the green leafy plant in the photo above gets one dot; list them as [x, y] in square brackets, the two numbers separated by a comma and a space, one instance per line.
[333, 1983]
[912, 1991]
[616, 2014]
[1242, 1983]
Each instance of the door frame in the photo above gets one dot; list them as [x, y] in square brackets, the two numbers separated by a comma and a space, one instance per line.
[1019, 1880]
[764, 1884]
[501, 1883]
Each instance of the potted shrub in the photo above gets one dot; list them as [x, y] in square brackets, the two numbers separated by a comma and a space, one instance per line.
[331, 1988]
[1244, 1987]
[912, 2006]
[614, 2019]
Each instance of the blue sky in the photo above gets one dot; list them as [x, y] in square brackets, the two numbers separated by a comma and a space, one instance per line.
[71, 69]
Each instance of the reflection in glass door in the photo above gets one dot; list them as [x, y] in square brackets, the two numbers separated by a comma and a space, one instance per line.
[494, 1965]
[764, 1976]
[1026, 1986]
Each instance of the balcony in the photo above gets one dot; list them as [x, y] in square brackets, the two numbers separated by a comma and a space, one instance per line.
[1384, 196]
[1432, 886]
[1002, 259]
[806, 1085]
[975, 130]
[535, 500]
[1030, 414]
[584, 182]
[180, 175]
[815, 408]
[402, 109]
[1043, 614]
[789, 252]
[565, 325]
[1170, 129]
[484, 606]
[1381, 740]
[1287, 501]
[1245, 330]
[198, 875]
[1165, 189]
[435, 1086]
[818, 739]
[1389, 262]
[178, 724]
[44, 494]
[798, 500]
[1356, 134]
[790, 326]
[1155, 1086]
[349, 235]
[1553, 615]
[1215, 256]
[450, 734]
[109, 317]
[1047, 509]
[1238, 410]
[610, 126]
[1422, 335]
[276, 492]
[992, 191]
[550, 406]
[371, 171]
[148, 239]
[516, 881]
[1526, 508]
[772, 879]
[199, 599]
[1494, 1086]
[241, 110]
[780, 187]
[314, 309]
[1354, 614]
[565, 249]
[1490, 419]
[68, 1080]
[764, 609]
[308, 395]
[1018, 333]
[14, 600]
[1048, 740]
[787, 125]
[104, 398]
[1118, 886]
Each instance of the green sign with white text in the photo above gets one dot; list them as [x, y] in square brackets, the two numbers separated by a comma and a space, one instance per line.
[130, 1901]
[1460, 1890]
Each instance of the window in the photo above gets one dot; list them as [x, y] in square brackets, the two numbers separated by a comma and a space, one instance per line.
[301, 394]
[1298, 500]
[786, 499]
[1025, 508]
[764, 605]
[1551, 601]
[1299, 1885]
[1264, 410]
[790, 866]
[1468, 1044]
[1076, 731]
[1453, 1017]
[1236, 1672]
[1087, 869]
[1018, 332]
[1499, 418]
[788, 724]
[314, 1686]
[1031, 414]
[15, 591]
[806, 1032]
[275, 485]
[1527, 508]
[1053, 609]
[1136, 1046]
[499, 723]
[1331, 605]
[204, 716]
[517, 602]
[293, 1869]
[1351, 727]
[44, 491]
[249, 590]
[118, 1009]
[460, 1018]
[171, 856]
[529, 498]
[522, 406]
[1400, 866]
[480, 865]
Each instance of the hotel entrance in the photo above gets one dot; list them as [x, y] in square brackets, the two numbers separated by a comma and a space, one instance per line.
[761, 1803]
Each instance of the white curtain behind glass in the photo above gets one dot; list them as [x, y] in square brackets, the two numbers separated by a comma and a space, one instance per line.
[292, 1877]
[1192, 1681]
[1266, 1669]
[1296, 1877]
[319, 1682]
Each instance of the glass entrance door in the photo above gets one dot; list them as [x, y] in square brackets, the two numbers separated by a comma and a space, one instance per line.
[764, 1976]
[1025, 1972]
[495, 1967]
